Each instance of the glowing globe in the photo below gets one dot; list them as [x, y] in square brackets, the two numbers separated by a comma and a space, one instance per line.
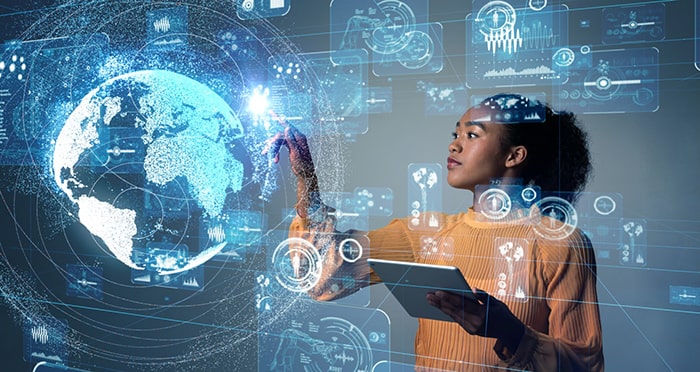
[140, 155]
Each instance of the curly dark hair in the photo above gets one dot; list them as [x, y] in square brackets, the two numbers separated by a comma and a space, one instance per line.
[558, 159]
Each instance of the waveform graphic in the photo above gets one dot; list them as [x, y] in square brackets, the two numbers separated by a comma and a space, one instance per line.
[40, 334]
[162, 25]
[344, 357]
[191, 282]
[507, 39]
[540, 70]
[216, 234]
[533, 116]
[539, 36]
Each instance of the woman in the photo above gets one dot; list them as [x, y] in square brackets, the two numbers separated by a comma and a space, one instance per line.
[551, 322]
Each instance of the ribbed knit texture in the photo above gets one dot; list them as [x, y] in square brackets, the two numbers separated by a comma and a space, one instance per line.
[558, 277]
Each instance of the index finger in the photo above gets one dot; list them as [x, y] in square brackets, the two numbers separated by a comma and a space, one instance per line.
[280, 119]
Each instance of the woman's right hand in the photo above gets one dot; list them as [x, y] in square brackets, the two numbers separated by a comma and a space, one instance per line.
[299, 153]
[308, 198]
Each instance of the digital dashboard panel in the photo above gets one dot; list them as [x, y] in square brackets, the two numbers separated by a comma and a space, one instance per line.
[146, 223]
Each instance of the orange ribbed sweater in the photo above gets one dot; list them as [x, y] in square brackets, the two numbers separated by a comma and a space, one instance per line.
[556, 298]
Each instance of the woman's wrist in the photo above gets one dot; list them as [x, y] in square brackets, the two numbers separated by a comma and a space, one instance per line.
[513, 334]
[308, 196]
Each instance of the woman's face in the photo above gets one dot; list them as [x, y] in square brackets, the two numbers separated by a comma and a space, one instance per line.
[476, 154]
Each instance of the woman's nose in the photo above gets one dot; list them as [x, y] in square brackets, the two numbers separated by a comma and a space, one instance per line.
[453, 147]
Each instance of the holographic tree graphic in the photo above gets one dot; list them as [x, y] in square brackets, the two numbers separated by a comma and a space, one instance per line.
[632, 251]
[425, 179]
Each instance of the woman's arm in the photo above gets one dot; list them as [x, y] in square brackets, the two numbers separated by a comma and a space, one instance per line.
[316, 223]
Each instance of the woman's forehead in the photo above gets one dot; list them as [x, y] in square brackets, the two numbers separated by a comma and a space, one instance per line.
[477, 115]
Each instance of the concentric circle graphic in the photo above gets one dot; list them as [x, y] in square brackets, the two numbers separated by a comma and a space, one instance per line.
[564, 57]
[394, 28]
[556, 218]
[297, 265]
[495, 17]
[604, 205]
[418, 52]
[528, 194]
[140, 147]
[603, 83]
[494, 204]
[351, 250]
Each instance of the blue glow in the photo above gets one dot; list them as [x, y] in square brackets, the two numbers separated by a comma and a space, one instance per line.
[143, 227]
[258, 102]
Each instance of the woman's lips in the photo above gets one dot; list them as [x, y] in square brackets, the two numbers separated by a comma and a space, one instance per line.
[451, 163]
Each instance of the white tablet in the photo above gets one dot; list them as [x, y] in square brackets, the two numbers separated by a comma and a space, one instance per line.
[409, 282]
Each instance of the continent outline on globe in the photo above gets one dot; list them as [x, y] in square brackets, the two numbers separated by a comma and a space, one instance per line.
[163, 127]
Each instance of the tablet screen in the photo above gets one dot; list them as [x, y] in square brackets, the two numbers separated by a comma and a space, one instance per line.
[409, 282]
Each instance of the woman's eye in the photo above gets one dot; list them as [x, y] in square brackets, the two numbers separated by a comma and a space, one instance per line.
[469, 135]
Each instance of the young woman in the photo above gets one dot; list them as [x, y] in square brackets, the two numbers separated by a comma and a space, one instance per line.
[551, 322]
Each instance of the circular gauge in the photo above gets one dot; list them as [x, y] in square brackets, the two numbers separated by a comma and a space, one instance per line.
[603, 85]
[537, 5]
[350, 250]
[604, 205]
[297, 264]
[528, 194]
[564, 57]
[557, 218]
[347, 344]
[393, 31]
[632, 27]
[495, 17]
[248, 5]
[494, 204]
[418, 52]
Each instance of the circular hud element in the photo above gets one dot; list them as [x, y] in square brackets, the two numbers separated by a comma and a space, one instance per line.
[495, 17]
[297, 264]
[555, 217]
[148, 142]
[604, 205]
[394, 30]
[494, 204]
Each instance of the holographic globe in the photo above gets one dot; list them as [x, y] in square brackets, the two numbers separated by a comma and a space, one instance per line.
[144, 157]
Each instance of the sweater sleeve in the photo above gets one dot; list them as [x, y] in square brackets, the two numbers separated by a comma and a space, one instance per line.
[574, 338]
[339, 275]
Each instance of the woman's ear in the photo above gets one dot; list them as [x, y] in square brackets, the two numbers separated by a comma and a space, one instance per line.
[516, 156]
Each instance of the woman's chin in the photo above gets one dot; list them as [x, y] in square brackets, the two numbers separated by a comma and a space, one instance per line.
[457, 185]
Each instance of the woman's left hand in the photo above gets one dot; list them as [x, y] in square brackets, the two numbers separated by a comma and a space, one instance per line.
[483, 315]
